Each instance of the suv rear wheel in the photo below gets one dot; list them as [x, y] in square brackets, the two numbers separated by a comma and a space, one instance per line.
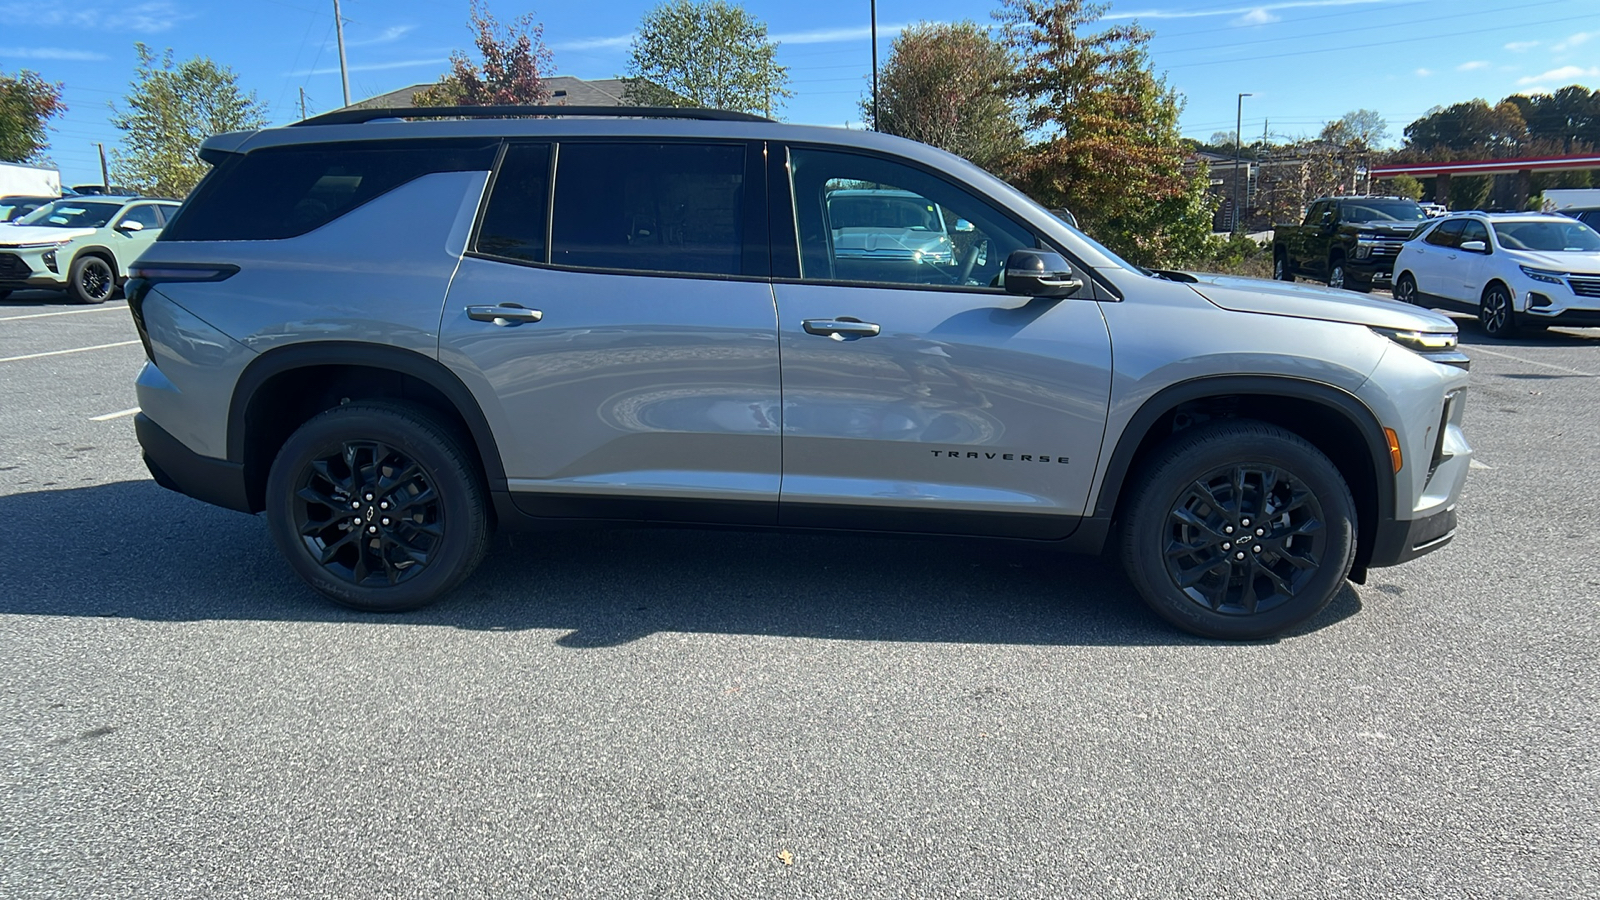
[1238, 530]
[377, 506]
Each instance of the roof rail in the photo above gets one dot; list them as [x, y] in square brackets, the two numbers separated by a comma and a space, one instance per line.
[358, 116]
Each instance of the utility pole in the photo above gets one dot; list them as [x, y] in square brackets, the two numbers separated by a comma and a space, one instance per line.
[105, 174]
[875, 120]
[302, 104]
[1238, 123]
[344, 69]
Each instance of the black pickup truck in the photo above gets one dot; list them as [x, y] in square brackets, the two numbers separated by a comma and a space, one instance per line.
[1349, 242]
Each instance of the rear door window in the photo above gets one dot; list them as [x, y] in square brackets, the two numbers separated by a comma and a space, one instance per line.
[674, 208]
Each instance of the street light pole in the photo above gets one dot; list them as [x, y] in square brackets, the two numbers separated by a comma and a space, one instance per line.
[875, 121]
[1238, 123]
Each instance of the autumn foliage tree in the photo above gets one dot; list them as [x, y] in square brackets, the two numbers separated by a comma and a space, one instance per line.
[947, 85]
[1107, 144]
[27, 103]
[515, 65]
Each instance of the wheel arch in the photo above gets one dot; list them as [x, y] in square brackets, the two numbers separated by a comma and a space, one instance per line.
[284, 387]
[95, 250]
[1333, 420]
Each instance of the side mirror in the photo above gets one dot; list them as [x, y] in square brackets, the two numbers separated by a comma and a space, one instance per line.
[130, 225]
[962, 225]
[1475, 247]
[1039, 273]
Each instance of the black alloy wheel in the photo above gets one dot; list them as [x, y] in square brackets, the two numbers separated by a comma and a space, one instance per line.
[377, 505]
[1238, 529]
[1336, 274]
[369, 515]
[1405, 289]
[1495, 314]
[91, 280]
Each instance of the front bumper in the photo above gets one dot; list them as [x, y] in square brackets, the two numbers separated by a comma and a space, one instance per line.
[30, 268]
[177, 468]
[1401, 541]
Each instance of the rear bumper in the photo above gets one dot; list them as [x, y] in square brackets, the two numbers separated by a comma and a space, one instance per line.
[177, 468]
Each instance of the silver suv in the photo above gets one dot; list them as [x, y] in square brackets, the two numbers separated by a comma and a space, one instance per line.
[395, 336]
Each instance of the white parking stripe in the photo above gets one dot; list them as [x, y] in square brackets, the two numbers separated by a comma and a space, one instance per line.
[1533, 362]
[69, 312]
[116, 415]
[1474, 464]
[65, 352]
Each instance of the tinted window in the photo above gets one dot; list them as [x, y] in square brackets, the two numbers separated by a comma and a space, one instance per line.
[866, 219]
[281, 192]
[1382, 211]
[649, 207]
[1448, 234]
[1474, 231]
[72, 213]
[145, 215]
[519, 208]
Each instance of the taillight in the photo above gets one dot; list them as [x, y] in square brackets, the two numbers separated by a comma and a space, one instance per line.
[143, 276]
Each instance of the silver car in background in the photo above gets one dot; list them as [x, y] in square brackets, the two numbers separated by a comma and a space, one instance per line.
[394, 336]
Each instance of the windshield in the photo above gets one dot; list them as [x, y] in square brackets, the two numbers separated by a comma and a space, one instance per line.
[1382, 211]
[71, 214]
[1547, 236]
[858, 211]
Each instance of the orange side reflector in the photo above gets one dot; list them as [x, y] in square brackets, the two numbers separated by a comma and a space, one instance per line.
[1395, 458]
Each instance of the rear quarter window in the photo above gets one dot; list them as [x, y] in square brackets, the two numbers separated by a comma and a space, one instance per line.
[283, 192]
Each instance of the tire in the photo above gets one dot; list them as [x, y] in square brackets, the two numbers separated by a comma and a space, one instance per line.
[1496, 314]
[4, 293]
[343, 457]
[1189, 520]
[1336, 277]
[1280, 268]
[91, 280]
[1405, 289]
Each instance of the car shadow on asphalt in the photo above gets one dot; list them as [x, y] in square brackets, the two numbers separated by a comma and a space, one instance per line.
[134, 550]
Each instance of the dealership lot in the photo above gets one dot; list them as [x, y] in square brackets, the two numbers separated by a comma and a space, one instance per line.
[664, 713]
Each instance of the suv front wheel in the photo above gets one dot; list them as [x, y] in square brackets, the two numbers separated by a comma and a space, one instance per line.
[377, 506]
[1238, 530]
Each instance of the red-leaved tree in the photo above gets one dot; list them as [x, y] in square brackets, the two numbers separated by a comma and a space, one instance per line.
[515, 65]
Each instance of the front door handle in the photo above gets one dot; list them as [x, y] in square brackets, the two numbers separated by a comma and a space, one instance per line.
[841, 328]
[505, 314]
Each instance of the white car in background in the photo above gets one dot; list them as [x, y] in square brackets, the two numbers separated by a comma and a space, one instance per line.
[1512, 270]
[81, 245]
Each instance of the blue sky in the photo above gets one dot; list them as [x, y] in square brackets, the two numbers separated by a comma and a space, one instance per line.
[1305, 61]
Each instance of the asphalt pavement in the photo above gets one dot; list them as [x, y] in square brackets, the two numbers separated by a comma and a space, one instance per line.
[697, 714]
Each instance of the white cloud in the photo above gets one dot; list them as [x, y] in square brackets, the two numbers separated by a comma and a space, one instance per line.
[1258, 16]
[145, 18]
[604, 43]
[1521, 46]
[373, 67]
[1239, 10]
[1565, 73]
[389, 36]
[1573, 41]
[1471, 66]
[49, 53]
[837, 35]
[1424, 73]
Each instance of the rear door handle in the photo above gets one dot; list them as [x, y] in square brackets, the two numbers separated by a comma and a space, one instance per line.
[505, 314]
[841, 328]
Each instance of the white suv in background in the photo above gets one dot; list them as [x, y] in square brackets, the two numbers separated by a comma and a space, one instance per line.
[1514, 270]
[81, 245]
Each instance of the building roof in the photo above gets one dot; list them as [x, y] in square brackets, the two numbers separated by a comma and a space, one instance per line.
[1490, 166]
[564, 90]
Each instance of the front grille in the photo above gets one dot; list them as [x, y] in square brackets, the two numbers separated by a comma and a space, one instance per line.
[1585, 285]
[12, 266]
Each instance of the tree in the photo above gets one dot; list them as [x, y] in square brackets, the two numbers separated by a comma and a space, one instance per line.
[1468, 129]
[515, 65]
[944, 85]
[170, 111]
[706, 54]
[1108, 146]
[27, 102]
[1403, 186]
[1360, 131]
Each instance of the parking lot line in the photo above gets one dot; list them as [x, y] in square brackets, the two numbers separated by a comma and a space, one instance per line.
[68, 312]
[116, 415]
[1532, 362]
[64, 352]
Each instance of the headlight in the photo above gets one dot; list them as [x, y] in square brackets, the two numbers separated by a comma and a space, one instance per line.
[1544, 275]
[1438, 346]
